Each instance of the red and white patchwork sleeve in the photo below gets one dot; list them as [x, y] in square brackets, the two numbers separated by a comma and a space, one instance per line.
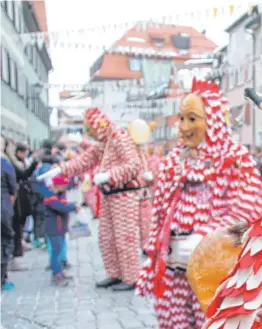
[125, 149]
[82, 163]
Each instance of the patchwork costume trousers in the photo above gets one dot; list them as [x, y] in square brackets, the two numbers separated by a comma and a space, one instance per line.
[119, 235]
[145, 219]
[178, 308]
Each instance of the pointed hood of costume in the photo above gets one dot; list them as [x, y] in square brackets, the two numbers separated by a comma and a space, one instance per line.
[101, 125]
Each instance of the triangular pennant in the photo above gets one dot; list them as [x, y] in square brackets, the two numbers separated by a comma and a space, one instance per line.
[215, 10]
[250, 9]
[231, 9]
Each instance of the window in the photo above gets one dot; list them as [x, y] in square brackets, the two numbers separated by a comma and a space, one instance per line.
[181, 41]
[4, 5]
[248, 109]
[30, 98]
[158, 42]
[241, 75]
[29, 52]
[134, 64]
[232, 79]
[17, 16]
[249, 71]
[20, 83]
[36, 60]
[26, 95]
[5, 72]
[13, 75]
[10, 9]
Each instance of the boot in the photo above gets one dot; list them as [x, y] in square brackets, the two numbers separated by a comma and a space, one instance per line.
[14, 266]
[123, 287]
[106, 283]
[66, 265]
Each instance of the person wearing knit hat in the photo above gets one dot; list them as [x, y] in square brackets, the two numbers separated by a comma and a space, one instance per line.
[56, 212]
[120, 165]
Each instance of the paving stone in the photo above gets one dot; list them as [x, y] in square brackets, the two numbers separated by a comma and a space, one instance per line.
[36, 304]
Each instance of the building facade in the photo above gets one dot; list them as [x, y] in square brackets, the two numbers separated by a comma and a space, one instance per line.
[258, 76]
[70, 113]
[24, 70]
[242, 59]
[154, 55]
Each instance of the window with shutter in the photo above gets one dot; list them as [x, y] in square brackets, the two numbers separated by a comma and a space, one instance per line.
[21, 84]
[232, 79]
[13, 75]
[5, 66]
[248, 109]
[10, 9]
[17, 16]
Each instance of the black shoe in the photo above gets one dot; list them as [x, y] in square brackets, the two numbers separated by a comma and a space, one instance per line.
[66, 265]
[123, 287]
[28, 239]
[107, 283]
[48, 268]
[144, 253]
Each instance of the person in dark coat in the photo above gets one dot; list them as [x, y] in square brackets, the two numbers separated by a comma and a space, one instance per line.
[56, 213]
[47, 163]
[22, 208]
[8, 191]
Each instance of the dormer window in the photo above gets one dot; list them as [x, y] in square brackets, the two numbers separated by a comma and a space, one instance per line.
[181, 41]
[157, 42]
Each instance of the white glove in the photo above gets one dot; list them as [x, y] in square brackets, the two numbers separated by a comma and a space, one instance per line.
[148, 176]
[101, 178]
[87, 177]
[77, 138]
[50, 174]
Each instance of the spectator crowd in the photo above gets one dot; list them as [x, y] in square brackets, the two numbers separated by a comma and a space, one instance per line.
[34, 214]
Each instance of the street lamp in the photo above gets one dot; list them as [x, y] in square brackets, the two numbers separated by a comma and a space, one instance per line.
[251, 27]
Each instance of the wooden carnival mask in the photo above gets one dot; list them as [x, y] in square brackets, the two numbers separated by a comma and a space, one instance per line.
[192, 123]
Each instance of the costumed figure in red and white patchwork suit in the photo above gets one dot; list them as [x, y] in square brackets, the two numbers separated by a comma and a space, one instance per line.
[119, 214]
[238, 301]
[154, 159]
[200, 187]
[146, 180]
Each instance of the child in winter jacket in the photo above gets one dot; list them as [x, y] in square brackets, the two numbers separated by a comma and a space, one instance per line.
[56, 212]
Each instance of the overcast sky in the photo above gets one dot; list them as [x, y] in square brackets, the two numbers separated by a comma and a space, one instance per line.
[72, 65]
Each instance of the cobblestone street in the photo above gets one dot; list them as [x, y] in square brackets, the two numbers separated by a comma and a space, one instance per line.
[35, 304]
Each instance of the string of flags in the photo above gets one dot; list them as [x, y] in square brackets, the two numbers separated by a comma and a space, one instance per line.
[67, 38]
[140, 84]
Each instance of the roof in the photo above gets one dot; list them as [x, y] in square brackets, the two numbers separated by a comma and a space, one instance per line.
[40, 12]
[240, 19]
[199, 42]
[116, 66]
